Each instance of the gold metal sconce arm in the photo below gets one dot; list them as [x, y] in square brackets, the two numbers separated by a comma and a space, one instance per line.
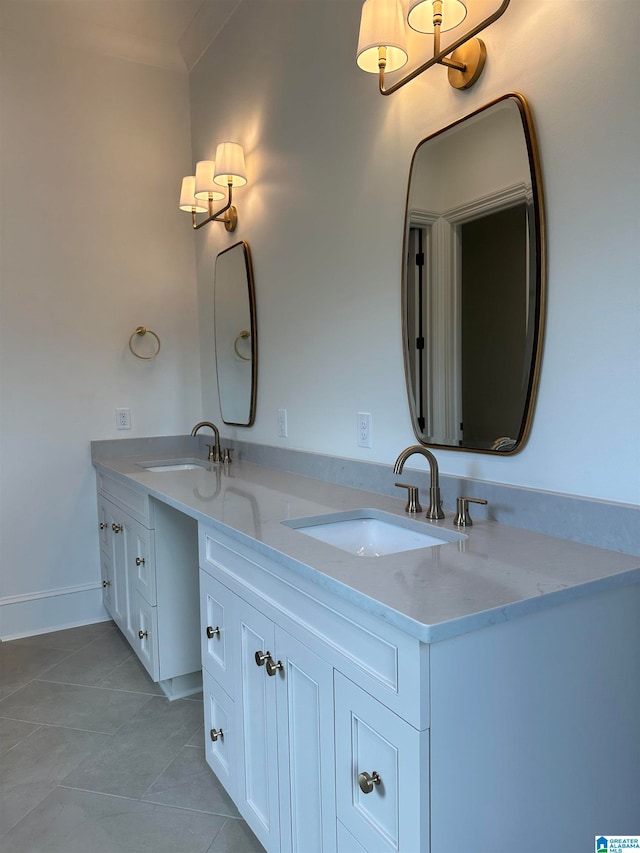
[227, 214]
[465, 57]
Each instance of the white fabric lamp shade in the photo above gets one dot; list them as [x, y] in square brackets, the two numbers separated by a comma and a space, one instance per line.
[204, 181]
[381, 25]
[188, 201]
[230, 167]
[420, 15]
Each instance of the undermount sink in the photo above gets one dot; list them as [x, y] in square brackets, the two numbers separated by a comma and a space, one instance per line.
[372, 532]
[174, 465]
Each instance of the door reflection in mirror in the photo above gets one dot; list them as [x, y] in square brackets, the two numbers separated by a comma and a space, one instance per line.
[236, 335]
[473, 282]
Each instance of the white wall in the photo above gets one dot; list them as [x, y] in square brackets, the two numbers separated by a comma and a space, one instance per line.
[93, 245]
[329, 159]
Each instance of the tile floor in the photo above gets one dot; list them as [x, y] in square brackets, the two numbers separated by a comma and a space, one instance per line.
[94, 759]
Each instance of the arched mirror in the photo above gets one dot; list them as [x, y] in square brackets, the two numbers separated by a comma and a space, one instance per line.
[235, 335]
[474, 281]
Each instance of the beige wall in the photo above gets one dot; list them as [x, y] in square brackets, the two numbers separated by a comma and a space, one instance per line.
[329, 160]
[93, 245]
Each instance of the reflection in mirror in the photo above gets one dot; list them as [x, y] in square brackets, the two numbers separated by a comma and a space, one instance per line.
[235, 335]
[473, 281]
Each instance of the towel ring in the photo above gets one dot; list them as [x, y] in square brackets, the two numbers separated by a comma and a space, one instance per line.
[142, 330]
[243, 334]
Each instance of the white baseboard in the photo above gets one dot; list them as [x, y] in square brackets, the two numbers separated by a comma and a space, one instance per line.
[51, 610]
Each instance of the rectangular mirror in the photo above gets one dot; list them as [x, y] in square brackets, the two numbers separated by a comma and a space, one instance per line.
[236, 335]
[473, 281]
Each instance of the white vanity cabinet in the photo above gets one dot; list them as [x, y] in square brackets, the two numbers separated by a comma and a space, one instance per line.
[149, 563]
[298, 677]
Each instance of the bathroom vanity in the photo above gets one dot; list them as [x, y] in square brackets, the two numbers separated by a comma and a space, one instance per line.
[478, 694]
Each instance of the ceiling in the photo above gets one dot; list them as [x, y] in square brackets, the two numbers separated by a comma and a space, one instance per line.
[167, 33]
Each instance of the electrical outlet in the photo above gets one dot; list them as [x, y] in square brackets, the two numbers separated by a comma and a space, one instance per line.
[364, 429]
[123, 418]
[283, 431]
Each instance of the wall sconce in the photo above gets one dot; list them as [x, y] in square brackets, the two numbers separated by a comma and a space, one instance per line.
[200, 191]
[382, 40]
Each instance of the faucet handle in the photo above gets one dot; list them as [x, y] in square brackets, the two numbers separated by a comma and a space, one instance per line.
[413, 504]
[214, 453]
[463, 519]
[226, 455]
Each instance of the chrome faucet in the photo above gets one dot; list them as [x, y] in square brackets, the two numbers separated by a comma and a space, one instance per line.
[435, 503]
[214, 450]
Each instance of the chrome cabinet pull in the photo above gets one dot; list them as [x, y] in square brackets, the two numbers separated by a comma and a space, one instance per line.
[367, 782]
[106, 583]
[261, 657]
[272, 666]
[142, 634]
[216, 733]
[213, 632]
[139, 561]
[117, 528]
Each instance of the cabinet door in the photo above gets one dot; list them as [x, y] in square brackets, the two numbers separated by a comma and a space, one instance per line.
[216, 626]
[141, 560]
[391, 815]
[220, 733]
[306, 762]
[255, 701]
[144, 618]
[106, 571]
[116, 534]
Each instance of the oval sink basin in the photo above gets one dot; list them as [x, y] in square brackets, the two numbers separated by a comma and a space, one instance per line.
[173, 465]
[372, 533]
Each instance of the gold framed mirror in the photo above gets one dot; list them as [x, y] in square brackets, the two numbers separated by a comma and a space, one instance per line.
[236, 335]
[473, 281]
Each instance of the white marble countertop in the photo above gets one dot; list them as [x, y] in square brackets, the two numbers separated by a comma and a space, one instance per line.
[497, 573]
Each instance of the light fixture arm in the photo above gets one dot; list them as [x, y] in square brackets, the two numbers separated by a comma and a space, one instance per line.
[469, 49]
[227, 214]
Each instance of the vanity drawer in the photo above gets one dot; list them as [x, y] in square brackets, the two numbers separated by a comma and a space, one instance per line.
[391, 815]
[216, 607]
[137, 504]
[220, 733]
[386, 662]
[145, 629]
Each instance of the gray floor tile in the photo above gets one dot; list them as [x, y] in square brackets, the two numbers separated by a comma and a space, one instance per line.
[235, 837]
[80, 822]
[131, 676]
[93, 662]
[12, 732]
[19, 664]
[198, 739]
[90, 708]
[141, 750]
[189, 784]
[70, 639]
[33, 768]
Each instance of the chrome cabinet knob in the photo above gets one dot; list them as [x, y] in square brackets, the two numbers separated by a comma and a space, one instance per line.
[142, 634]
[140, 561]
[272, 667]
[367, 782]
[117, 528]
[212, 632]
[104, 525]
[261, 657]
[106, 583]
[214, 734]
